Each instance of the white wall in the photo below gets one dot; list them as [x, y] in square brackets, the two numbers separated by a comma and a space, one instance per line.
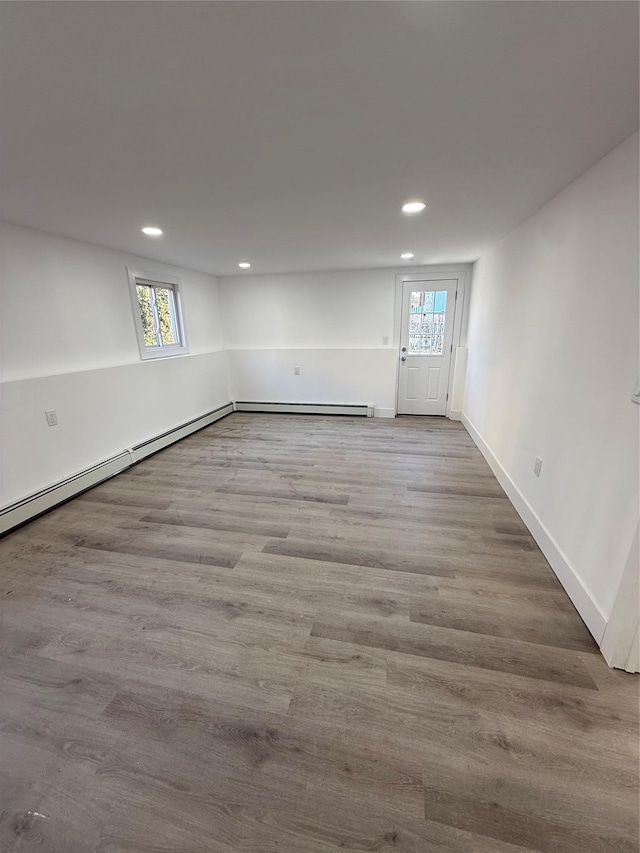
[355, 376]
[332, 325]
[553, 359]
[309, 310]
[68, 342]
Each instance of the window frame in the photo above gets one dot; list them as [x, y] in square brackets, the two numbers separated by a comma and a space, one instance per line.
[173, 283]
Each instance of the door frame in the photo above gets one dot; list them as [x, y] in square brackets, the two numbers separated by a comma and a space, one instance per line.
[461, 273]
[620, 643]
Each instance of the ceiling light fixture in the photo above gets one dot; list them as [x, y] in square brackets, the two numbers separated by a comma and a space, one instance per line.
[244, 265]
[413, 207]
[407, 256]
[152, 231]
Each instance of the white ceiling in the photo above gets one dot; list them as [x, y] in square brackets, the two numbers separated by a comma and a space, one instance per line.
[289, 133]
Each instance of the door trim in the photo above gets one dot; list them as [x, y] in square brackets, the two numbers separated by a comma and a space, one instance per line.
[620, 643]
[461, 275]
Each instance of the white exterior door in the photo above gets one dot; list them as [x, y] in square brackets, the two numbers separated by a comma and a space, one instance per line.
[426, 338]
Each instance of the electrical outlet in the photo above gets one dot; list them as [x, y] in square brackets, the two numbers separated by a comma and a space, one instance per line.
[296, 370]
[52, 418]
[537, 467]
[385, 341]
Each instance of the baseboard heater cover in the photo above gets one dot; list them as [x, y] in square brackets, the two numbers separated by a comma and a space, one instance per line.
[19, 513]
[306, 408]
[159, 442]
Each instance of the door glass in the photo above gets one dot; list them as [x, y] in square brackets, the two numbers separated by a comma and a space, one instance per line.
[427, 311]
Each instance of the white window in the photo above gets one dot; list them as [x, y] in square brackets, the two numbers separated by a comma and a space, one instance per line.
[158, 314]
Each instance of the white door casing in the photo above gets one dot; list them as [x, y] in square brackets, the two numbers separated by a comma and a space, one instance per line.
[620, 644]
[426, 343]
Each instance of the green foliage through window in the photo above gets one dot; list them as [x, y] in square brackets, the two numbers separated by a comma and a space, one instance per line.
[158, 315]
[164, 316]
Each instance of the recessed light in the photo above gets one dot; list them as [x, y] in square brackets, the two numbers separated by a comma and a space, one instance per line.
[414, 206]
[152, 231]
[244, 265]
[406, 256]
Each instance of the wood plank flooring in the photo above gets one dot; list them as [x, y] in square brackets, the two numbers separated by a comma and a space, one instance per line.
[292, 634]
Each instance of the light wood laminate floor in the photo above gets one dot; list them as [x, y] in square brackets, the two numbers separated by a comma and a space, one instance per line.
[292, 634]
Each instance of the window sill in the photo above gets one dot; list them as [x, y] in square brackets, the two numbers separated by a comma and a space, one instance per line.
[162, 354]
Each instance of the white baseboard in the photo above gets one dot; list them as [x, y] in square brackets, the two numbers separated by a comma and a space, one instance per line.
[383, 413]
[591, 614]
[18, 513]
[305, 408]
[455, 415]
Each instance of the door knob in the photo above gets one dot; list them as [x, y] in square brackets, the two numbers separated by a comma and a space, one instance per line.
[404, 358]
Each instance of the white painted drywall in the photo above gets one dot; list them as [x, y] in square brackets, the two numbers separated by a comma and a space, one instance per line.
[308, 310]
[333, 325]
[68, 342]
[553, 358]
[336, 375]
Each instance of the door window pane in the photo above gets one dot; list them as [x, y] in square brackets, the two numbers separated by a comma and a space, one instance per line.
[427, 313]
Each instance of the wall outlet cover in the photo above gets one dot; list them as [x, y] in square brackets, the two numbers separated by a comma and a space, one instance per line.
[52, 417]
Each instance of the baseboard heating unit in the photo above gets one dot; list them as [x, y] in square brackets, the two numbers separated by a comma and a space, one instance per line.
[18, 513]
[306, 408]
